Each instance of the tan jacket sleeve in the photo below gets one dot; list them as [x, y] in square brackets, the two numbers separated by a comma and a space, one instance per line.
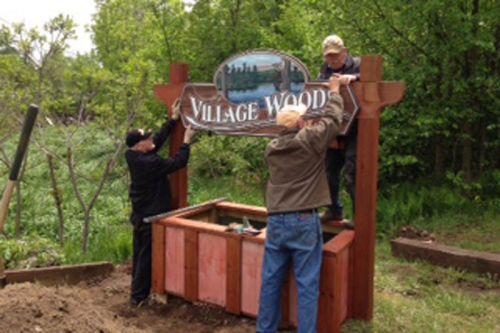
[319, 136]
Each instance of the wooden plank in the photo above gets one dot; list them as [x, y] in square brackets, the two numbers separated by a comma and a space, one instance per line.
[340, 289]
[158, 259]
[251, 277]
[69, 274]
[191, 265]
[365, 217]
[339, 243]
[174, 261]
[447, 256]
[233, 276]
[215, 229]
[212, 269]
[179, 74]
[326, 311]
[242, 209]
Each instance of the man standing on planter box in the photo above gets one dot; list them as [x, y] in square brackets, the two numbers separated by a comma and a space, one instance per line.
[342, 155]
[297, 187]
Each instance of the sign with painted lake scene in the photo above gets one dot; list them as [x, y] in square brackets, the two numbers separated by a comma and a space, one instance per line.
[248, 91]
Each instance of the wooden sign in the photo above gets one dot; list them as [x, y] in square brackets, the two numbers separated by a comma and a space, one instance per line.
[250, 89]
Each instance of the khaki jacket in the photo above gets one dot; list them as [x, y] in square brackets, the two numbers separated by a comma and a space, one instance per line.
[296, 161]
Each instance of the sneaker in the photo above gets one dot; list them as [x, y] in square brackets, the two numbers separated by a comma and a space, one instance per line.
[328, 216]
[348, 224]
[138, 304]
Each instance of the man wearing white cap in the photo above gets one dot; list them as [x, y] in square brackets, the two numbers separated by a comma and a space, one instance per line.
[338, 62]
[297, 187]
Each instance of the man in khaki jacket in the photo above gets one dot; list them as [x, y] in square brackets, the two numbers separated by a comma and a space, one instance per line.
[297, 187]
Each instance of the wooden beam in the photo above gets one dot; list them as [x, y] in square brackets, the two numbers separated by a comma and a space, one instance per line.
[69, 274]
[447, 256]
[179, 74]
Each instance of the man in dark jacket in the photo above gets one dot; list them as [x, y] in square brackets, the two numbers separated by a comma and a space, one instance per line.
[297, 187]
[150, 194]
[342, 154]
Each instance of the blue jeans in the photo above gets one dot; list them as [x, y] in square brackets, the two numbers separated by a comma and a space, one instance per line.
[291, 238]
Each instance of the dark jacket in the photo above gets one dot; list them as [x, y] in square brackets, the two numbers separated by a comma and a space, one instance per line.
[296, 161]
[150, 189]
[352, 66]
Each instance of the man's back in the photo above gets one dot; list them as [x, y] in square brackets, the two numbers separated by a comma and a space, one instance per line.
[296, 164]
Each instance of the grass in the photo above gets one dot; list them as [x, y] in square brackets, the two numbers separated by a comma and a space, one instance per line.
[419, 297]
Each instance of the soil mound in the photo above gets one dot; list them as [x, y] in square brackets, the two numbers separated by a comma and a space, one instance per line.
[102, 306]
[29, 307]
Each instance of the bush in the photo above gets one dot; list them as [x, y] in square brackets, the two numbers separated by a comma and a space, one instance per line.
[30, 252]
[216, 156]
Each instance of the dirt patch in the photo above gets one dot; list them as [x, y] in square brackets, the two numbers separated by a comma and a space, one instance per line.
[103, 306]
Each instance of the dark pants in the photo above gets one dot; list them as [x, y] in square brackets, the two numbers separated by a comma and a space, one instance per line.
[141, 264]
[336, 160]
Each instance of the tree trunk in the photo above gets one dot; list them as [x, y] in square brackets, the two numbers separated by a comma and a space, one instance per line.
[85, 233]
[57, 198]
[467, 152]
[439, 156]
[471, 58]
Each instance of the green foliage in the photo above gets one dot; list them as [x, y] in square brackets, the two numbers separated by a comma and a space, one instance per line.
[110, 243]
[30, 252]
[215, 156]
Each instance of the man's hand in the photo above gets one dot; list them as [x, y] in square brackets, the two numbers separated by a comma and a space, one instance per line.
[345, 79]
[188, 134]
[334, 84]
[337, 80]
[176, 109]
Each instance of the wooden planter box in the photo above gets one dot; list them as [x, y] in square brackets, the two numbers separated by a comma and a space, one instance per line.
[195, 258]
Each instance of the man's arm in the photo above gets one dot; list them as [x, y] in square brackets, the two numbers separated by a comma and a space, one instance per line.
[162, 136]
[174, 163]
[180, 159]
[320, 135]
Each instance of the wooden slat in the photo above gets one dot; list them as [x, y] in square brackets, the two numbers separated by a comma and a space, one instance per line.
[340, 289]
[240, 208]
[339, 243]
[174, 261]
[327, 297]
[233, 275]
[158, 259]
[215, 229]
[191, 265]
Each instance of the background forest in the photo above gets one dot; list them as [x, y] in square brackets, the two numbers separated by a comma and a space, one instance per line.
[439, 148]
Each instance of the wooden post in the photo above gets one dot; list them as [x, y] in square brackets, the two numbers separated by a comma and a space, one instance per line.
[168, 94]
[178, 181]
[373, 96]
